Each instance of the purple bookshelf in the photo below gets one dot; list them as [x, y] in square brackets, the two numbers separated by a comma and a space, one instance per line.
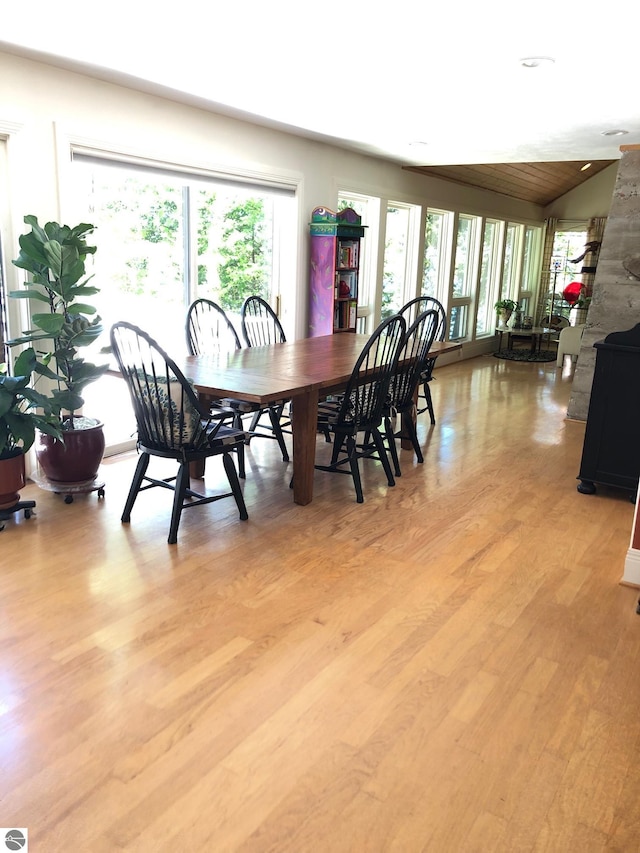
[335, 270]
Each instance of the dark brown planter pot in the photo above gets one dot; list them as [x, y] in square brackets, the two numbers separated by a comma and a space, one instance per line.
[76, 458]
[12, 479]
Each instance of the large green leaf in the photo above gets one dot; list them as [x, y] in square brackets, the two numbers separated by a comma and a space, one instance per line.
[32, 220]
[69, 401]
[30, 293]
[53, 253]
[50, 323]
[82, 308]
[25, 363]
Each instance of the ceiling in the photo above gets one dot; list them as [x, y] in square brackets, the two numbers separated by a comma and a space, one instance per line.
[434, 87]
[539, 183]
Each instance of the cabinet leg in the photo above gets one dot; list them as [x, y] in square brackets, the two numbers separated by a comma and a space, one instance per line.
[586, 487]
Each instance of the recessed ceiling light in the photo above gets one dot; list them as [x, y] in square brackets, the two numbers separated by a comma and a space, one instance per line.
[585, 167]
[536, 61]
[614, 132]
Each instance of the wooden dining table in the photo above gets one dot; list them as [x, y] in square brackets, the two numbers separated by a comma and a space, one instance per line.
[301, 371]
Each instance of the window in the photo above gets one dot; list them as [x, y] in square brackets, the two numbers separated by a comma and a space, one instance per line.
[165, 239]
[566, 245]
[512, 262]
[398, 275]
[489, 283]
[464, 275]
[368, 208]
[530, 267]
[437, 244]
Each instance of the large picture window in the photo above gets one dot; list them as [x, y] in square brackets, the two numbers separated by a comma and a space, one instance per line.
[165, 239]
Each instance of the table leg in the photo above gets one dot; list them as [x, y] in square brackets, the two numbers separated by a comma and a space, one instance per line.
[304, 427]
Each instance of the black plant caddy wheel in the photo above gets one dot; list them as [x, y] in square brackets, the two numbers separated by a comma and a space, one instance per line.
[22, 506]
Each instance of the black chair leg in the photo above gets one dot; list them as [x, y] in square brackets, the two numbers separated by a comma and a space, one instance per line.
[254, 421]
[409, 427]
[274, 416]
[237, 423]
[181, 487]
[382, 453]
[138, 477]
[391, 441]
[337, 447]
[232, 476]
[427, 397]
[352, 453]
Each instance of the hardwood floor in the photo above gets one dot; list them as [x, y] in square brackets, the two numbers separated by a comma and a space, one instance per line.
[451, 666]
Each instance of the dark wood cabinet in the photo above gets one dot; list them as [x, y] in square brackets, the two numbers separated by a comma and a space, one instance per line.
[611, 450]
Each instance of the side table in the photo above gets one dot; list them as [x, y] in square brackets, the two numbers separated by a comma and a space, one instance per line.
[537, 335]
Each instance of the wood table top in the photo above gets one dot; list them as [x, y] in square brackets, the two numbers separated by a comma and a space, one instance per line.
[264, 374]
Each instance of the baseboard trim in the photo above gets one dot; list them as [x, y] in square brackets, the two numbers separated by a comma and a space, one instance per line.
[631, 576]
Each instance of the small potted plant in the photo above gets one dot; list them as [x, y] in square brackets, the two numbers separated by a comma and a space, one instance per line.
[23, 410]
[505, 308]
[54, 256]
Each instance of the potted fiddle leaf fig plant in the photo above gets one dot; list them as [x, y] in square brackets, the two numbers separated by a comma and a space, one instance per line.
[23, 410]
[55, 257]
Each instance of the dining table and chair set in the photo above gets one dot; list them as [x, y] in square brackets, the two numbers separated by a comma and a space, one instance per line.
[352, 388]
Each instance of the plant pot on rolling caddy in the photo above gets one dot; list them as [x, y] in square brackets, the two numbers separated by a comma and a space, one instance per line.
[55, 257]
[74, 460]
[12, 477]
[23, 410]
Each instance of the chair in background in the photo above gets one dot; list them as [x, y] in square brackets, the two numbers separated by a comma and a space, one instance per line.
[360, 408]
[414, 353]
[209, 330]
[554, 321]
[261, 327]
[171, 425]
[410, 312]
[260, 324]
[569, 342]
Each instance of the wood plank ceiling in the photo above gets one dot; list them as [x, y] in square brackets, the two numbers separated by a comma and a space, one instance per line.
[540, 183]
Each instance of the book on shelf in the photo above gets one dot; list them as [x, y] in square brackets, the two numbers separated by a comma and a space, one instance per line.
[348, 254]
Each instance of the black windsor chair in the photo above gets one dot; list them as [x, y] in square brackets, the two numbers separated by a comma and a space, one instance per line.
[209, 332]
[260, 324]
[171, 424]
[410, 311]
[360, 408]
[413, 355]
[261, 327]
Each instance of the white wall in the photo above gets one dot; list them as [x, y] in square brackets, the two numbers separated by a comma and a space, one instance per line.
[592, 198]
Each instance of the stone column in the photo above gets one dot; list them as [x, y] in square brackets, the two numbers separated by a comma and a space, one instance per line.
[615, 305]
